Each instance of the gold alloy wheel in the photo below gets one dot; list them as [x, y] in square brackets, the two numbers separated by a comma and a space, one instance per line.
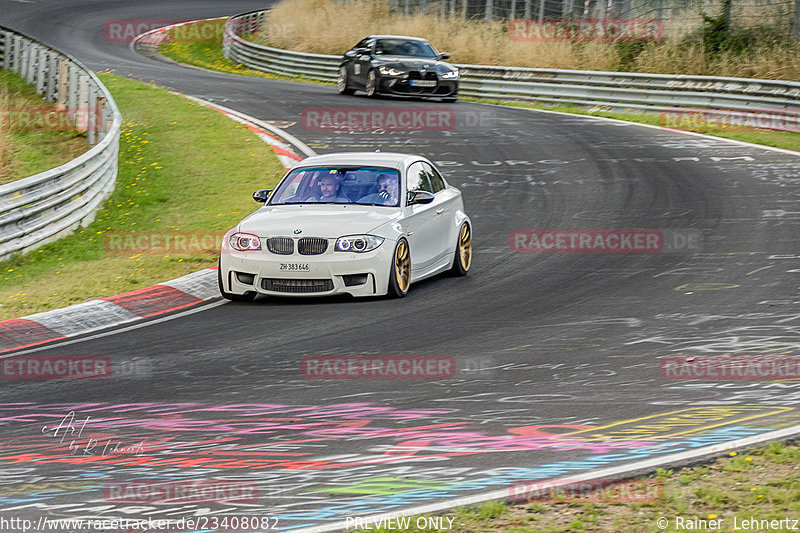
[465, 247]
[402, 266]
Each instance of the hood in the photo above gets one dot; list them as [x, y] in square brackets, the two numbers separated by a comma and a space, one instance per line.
[408, 63]
[327, 221]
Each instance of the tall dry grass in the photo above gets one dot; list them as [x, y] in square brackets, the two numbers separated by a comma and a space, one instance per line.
[331, 27]
[5, 140]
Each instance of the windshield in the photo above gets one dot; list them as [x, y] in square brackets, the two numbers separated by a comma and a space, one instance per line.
[405, 47]
[339, 185]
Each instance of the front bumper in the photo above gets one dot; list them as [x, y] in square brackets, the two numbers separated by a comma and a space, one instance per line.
[402, 87]
[358, 274]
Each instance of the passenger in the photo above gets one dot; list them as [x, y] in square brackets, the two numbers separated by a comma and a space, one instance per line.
[386, 193]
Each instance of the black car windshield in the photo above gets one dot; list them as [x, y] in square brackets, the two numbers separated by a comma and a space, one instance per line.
[406, 48]
[339, 185]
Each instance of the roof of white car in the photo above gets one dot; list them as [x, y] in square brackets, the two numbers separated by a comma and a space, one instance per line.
[383, 159]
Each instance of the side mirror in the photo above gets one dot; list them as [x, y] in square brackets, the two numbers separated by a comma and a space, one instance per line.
[261, 195]
[362, 51]
[444, 55]
[420, 197]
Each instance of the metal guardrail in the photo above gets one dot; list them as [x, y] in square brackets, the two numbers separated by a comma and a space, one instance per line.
[46, 206]
[631, 92]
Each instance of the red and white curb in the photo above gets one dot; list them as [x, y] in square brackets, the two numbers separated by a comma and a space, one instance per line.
[159, 299]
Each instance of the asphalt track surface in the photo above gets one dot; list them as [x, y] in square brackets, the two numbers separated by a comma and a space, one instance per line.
[557, 354]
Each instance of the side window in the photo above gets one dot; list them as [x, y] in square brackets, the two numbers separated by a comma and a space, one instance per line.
[437, 183]
[418, 178]
[363, 43]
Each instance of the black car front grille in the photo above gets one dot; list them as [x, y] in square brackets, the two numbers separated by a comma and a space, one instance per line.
[297, 285]
[417, 75]
[312, 246]
[280, 245]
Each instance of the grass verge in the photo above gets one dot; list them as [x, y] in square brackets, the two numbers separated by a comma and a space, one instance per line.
[25, 151]
[207, 52]
[182, 167]
[761, 484]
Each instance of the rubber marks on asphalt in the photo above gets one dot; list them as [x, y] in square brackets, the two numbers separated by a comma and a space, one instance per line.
[106, 312]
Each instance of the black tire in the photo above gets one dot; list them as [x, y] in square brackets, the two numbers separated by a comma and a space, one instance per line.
[246, 297]
[341, 84]
[371, 88]
[463, 255]
[400, 270]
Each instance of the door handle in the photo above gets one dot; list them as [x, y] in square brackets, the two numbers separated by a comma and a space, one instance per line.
[440, 211]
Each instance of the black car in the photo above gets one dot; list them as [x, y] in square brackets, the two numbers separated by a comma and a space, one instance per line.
[398, 65]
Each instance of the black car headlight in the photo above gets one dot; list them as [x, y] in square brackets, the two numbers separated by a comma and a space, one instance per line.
[244, 242]
[390, 71]
[358, 243]
[449, 74]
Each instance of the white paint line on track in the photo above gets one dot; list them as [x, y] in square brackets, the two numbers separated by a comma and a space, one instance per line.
[614, 472]
[197, 309]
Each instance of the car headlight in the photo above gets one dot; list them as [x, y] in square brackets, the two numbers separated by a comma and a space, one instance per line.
[358, 243]
[390, 71]
[244, 242]
[449, 75]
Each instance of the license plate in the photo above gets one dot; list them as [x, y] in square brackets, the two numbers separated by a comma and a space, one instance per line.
[423, 83]
[295, 267]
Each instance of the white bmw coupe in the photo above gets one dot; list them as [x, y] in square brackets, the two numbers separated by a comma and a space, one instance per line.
[365, 224]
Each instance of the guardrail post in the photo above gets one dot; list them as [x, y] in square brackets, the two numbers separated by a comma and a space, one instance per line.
[62, 78]
[7, 47]
[42, 58]
[10, 54]
[51, 84]
[72, 93]
[30, 69]
[22, 66]
[91, 115]
[83, 102]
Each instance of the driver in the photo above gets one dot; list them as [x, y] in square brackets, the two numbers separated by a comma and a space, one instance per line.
[329, 187]
[386, 193]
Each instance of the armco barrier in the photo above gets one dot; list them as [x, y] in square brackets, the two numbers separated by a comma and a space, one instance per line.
[51, 204]
[620, 91]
